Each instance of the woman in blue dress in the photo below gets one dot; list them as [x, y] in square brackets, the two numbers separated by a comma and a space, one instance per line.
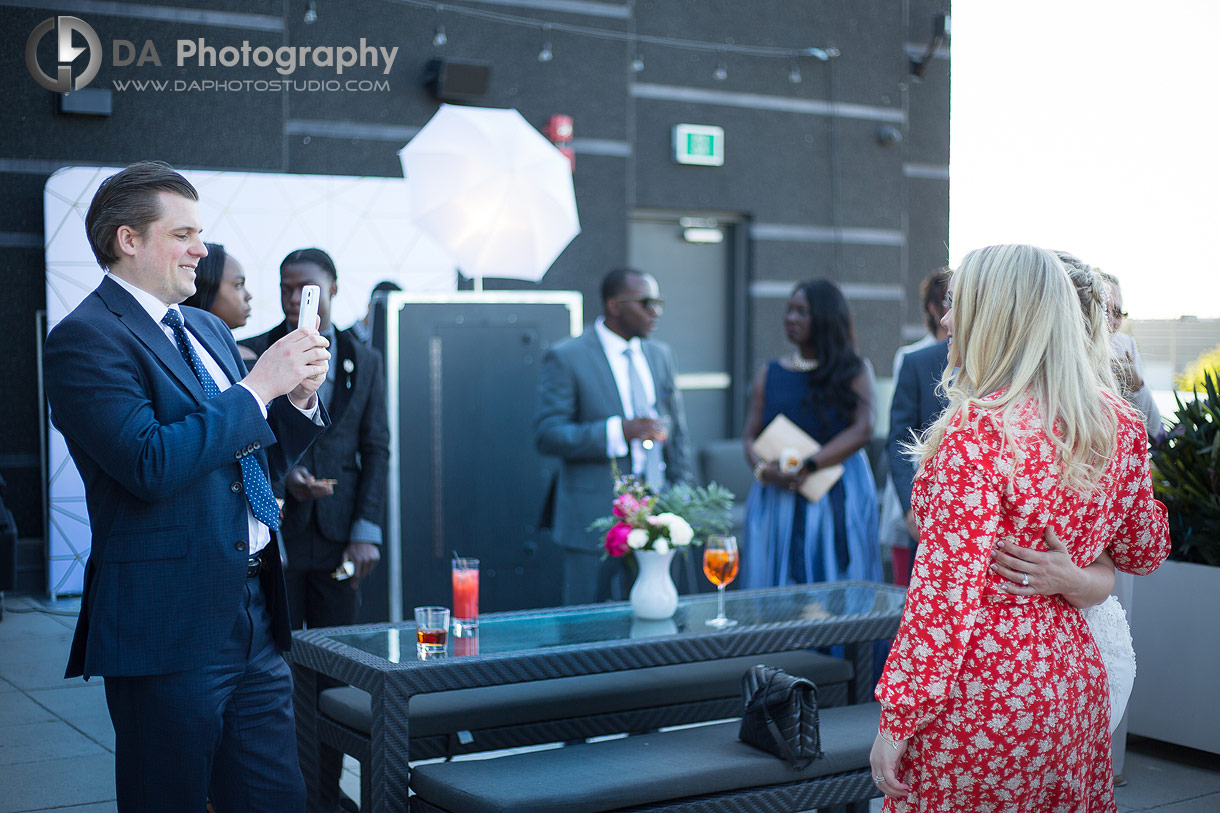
[826, 388]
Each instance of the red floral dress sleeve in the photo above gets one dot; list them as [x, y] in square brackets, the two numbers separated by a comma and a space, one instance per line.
[1141, 540]
[958, 501]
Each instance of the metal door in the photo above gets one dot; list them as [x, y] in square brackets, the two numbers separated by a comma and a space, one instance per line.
[703, 285]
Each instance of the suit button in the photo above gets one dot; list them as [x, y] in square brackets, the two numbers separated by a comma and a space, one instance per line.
[235, 487]
[240, 546]
[257, 445]
[237, 455]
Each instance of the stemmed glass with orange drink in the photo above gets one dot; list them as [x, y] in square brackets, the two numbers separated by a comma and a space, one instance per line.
[720, 563]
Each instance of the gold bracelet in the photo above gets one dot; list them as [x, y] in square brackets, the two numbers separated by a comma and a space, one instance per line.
[759, 468]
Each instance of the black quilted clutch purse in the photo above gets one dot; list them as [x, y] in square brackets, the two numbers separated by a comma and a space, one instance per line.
[781, 715]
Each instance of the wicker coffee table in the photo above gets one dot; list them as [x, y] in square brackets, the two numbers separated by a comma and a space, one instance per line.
[571, 641]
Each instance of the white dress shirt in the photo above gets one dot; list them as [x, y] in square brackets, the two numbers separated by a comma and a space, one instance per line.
[614, 345]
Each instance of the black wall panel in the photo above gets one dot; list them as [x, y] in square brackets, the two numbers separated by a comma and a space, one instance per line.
[802, 168]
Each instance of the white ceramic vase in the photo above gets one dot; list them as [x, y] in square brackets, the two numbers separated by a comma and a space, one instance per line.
[653, 596]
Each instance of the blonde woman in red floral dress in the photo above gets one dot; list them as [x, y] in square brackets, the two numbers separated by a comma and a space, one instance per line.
[991, 701]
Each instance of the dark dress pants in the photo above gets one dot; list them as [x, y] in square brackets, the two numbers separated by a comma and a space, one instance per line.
[225, 731]
[316, 599]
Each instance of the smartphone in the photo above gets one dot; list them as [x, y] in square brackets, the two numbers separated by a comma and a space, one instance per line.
[344, 572]
[309, 306]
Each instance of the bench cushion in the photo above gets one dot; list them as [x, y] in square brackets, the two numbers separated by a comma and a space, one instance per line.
[636, 771]
[518, 703]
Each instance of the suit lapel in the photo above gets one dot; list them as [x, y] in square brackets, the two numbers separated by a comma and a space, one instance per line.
[600, 366]
[137, 320]
[345, 375]
[225, 360]
[656, 364]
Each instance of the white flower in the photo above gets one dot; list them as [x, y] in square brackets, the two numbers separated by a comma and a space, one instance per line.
[660, 546]
[679, 531]
[637, 539]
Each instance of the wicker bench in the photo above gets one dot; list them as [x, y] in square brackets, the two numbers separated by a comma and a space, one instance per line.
[704, 769]
[488, 718]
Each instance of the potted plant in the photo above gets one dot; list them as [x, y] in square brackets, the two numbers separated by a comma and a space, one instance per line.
[652, 527]
[1173, 617]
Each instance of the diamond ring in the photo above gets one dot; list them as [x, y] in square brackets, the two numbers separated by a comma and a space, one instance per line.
[878, 778]
[1025, 580]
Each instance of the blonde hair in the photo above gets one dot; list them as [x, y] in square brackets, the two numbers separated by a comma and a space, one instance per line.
[1094, 296]
[1018, 336]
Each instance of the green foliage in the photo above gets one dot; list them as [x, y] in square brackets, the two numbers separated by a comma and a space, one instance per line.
[1186, 462]
[706, 508]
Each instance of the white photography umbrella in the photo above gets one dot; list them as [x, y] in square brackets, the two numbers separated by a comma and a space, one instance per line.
[492, 190]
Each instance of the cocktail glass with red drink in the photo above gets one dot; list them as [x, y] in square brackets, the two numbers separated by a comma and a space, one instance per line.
[465, 596]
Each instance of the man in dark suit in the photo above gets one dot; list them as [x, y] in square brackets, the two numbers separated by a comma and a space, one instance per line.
[609, 394]
[334, 498]
[183, 611]
[915, 406]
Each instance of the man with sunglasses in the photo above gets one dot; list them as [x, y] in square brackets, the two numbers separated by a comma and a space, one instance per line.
[608, 395]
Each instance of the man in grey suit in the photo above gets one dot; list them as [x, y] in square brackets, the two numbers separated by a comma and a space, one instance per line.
[609, 395]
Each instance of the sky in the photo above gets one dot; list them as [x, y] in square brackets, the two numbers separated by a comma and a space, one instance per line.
[1092, 127]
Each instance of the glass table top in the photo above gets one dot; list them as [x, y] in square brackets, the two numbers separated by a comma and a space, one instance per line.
[541, 629]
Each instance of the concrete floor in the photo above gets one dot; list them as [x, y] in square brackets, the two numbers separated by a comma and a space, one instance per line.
[57, 745]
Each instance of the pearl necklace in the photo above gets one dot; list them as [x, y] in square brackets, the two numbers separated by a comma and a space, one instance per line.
[802, 364]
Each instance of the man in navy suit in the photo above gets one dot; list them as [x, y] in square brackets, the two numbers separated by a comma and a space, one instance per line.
[183, 611]
[915, 406]
[588, 416]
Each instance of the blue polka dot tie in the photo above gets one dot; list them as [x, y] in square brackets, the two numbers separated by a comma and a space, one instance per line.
[254, 481]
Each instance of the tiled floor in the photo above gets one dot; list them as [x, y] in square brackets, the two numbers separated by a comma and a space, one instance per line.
[57, 746]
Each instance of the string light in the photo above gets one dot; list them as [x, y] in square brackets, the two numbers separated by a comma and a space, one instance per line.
[311, 13]
[637, 62]
[545, 54]
[794, 72]
[438, 36]
[722, 70]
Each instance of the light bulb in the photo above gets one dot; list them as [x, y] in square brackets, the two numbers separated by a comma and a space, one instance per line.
[439, 38]
[545, 55]
[794, 74]
[637, 64]
[311, 13]
[721, 73]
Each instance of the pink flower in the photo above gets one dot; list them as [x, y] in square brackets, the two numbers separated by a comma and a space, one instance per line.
[626, 505]
[616, 539]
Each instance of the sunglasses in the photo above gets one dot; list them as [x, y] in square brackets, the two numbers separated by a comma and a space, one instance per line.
[649, 302]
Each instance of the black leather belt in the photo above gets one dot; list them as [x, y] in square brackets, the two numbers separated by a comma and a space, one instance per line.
[254, 564]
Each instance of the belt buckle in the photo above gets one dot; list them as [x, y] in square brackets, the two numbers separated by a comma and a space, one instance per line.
[253, 565]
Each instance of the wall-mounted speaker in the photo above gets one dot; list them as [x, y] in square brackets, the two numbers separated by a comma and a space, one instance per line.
[452, 80]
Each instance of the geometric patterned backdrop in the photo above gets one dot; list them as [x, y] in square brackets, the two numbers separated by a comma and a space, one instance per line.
[363, 223]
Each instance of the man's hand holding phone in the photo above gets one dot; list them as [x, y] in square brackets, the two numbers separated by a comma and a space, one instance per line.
[296, 365]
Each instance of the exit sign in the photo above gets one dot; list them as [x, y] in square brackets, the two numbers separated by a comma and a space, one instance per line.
[701, 144]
